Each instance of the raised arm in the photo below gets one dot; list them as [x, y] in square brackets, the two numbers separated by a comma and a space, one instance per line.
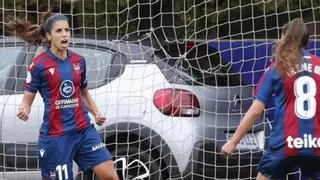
[25, 106]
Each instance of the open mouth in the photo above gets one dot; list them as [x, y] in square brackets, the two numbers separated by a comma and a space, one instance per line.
[65, 41]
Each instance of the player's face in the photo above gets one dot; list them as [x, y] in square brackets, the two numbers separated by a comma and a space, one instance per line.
[59, 36]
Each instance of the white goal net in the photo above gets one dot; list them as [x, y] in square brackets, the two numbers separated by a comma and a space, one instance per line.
[173, 78]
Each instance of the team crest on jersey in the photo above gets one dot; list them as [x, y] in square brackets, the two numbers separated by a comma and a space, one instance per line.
[76, 67]
[67, 88]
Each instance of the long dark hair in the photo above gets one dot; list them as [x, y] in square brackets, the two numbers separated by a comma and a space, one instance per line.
[289, 51]
[31, 33]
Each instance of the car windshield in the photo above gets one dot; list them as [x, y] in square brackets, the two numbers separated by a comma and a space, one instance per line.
[102, 66]
[9, 66]
[8, 57]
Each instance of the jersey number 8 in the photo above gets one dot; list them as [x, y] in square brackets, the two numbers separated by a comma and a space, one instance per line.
[305, 91]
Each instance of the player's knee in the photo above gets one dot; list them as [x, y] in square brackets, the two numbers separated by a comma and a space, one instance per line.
[106, 171]
[261, 177]
[108, 176]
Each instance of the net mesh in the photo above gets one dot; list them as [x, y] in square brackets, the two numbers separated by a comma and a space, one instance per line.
[172, 77]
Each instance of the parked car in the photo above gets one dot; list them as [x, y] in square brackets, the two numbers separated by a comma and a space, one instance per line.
[168, 114]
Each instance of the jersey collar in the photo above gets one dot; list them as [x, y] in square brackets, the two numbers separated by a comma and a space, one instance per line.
[54, 57]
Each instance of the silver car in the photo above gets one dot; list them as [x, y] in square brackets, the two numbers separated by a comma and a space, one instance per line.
[168, 114]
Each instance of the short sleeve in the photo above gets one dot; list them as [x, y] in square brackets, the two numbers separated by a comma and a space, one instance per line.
[84, 82]
[264, 90]
[32, 83]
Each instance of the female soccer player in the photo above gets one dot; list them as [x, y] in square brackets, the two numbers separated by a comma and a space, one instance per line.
[59, 75]
[294, 80]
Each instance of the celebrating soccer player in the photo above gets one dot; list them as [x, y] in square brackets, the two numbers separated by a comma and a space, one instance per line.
[59, 75]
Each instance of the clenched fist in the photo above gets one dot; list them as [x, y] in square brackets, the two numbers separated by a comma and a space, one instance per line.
[23, 112]
[100, 119]
[228, 148]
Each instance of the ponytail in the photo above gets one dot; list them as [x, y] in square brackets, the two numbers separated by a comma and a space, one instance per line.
[31, 33]
[289, 51]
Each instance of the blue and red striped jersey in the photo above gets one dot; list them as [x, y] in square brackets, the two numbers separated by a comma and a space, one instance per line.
[59, 82]
[296, 125]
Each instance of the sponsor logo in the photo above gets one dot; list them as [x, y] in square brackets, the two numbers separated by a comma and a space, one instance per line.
[306, 142]
[67, 103]
[51, 70]
[98, 146]
[67, 88]
[41, 152]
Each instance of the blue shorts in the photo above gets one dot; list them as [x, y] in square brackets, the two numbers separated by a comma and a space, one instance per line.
[56, 153]
[275, 166]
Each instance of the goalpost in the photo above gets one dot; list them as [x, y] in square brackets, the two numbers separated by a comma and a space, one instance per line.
[172, 77]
